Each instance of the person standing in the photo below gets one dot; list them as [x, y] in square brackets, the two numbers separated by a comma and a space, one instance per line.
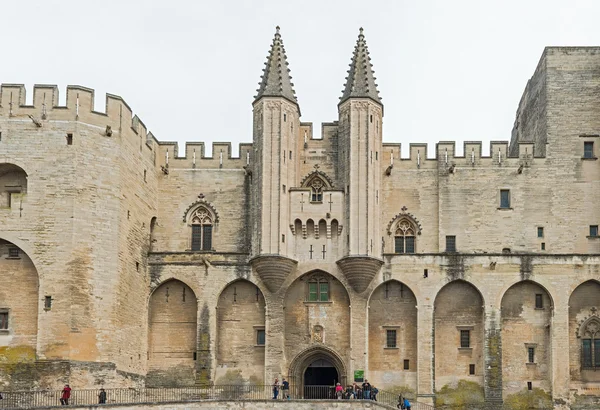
[102, 397]
[285, 386]
[66, 395]
[275, 389]
[406, 404]
[339, 391]
[366, 386]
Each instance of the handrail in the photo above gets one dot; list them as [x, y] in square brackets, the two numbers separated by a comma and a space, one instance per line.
[84, 397]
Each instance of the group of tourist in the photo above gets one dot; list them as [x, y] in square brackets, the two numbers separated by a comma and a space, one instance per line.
[65, 395]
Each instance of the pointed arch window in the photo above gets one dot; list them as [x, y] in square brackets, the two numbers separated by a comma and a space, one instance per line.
[202, 229]
[316, 190]
[404, 237]
[590, 344]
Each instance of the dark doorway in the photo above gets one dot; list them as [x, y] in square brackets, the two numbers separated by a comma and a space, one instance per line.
[320, 378]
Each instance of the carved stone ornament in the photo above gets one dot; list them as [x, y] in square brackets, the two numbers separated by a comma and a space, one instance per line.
[307, 180]
[317, 335]
[590, 326]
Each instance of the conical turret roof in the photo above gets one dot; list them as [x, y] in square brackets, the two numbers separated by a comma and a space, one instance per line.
[360, 82]
[276, 80]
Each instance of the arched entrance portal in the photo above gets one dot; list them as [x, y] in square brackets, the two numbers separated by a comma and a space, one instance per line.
[316, 366]
[318, 374]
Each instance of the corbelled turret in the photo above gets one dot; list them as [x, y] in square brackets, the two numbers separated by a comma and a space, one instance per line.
[276, 80]
[360, 82]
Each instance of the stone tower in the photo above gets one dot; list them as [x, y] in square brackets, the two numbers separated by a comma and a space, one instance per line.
[276, 123]
[360, 118]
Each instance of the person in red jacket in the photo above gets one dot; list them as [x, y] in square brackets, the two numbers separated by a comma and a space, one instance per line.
[66, 395]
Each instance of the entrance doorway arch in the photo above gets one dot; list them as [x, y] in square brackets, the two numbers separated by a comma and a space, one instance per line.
[319, 365]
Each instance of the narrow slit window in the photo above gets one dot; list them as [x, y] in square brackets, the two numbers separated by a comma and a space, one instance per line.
[451, 243]
[465, 338]
[48, 302]
[406, 364]
[390, 339]
[260, 337]
[588, 149]
[539, 301]
[69, 139]
[3, 320]
[504, 198]
[472, 369]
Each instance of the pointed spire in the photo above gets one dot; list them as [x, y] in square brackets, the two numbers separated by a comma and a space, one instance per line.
[360, 82]
[276, 79]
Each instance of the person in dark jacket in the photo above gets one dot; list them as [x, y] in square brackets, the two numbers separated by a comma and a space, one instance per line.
[102, 397]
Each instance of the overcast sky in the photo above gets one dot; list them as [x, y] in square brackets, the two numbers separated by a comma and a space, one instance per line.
[447, 70]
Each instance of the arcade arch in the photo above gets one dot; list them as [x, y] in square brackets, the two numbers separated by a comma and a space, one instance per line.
[584, 333]
[172, 340]
[526, 342]
[393, 335]
[241, 331]
[459, 327]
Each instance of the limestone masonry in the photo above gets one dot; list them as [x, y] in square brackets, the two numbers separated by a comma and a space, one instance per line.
[127, 263]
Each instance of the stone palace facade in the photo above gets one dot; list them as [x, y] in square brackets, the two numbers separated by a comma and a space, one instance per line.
[127, 263]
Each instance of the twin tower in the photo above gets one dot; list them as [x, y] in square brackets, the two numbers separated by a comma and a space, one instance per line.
[316, 202]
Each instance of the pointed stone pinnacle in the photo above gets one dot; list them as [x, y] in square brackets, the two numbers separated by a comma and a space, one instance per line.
[276, 80]
[360, 82]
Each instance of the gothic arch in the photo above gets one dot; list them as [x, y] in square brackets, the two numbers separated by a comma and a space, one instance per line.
[172, 335]
[410, 218]
[240, 339]
[305, 183]
[305, 357]
[459, 329]
[392, 335]
[201, 203]
[584, 332]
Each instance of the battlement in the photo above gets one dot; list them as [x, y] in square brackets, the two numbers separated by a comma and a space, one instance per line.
[447, 156]
[79, 107]
[194, 155]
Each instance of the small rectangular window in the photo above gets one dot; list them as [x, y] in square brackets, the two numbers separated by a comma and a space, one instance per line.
[48, 302]
[284, 189]
[531, 354]
[465, 338]
[196, 237]
[410, 244]
[69, 139]
[260, 337]
[13, 252]
[451, 243]
[290, 154]
[3, 320]
[540, 232]
[313, 292]
[543, 246]
[206, 237]
[504, 198]
[593, 230]
[539, 301]
[471, 369]
[406, 364]
[529, 386]
[390, 338]
[323, 291]
[282, 238]
[588, 149]
[399, 244]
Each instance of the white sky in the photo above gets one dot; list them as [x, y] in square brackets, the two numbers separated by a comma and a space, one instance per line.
[447, 70]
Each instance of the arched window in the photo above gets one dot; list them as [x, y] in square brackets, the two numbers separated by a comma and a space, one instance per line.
[318, 289]
[590, 344]
[404, 237]
[202, 227]
[316, 189]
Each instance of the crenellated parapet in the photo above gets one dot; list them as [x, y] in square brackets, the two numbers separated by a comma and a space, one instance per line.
[194, 156]
[447, 157]
[117, 118]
